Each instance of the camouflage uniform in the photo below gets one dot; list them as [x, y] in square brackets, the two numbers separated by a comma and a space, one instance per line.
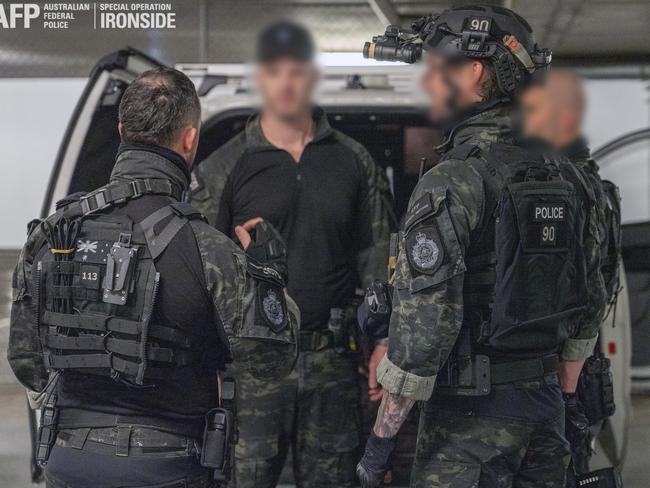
[231, 320]
[514, 435]
[316, 410]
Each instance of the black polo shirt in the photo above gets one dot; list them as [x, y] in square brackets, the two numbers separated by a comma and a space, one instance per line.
[319, 204]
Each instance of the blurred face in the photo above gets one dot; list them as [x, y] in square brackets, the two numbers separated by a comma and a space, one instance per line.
[539, 115]
[286, 86]
[451, 87]
[553, 112]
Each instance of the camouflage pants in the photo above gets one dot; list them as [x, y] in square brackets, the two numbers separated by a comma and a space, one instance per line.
[512, 438]
[315, 411]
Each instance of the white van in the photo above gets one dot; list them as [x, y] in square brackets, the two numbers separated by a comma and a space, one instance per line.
[379, 106]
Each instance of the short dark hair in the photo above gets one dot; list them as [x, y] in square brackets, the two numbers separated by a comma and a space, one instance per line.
[156, 106]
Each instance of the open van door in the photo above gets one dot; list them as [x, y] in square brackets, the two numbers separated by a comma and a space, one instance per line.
[625, 335]
[86, 155]
[87, 152]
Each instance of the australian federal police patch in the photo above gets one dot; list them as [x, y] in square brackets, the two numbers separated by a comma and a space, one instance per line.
[424, 250]
[272, 307]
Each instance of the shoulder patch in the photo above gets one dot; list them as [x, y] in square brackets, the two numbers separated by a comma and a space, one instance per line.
[424, 250]
[272, 306]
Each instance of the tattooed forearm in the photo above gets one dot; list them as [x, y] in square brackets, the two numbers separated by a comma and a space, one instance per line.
[392, 414]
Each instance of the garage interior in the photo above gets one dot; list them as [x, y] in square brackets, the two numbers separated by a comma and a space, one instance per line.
[604, 40]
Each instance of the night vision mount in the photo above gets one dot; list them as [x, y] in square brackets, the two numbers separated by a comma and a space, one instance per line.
[478, 38]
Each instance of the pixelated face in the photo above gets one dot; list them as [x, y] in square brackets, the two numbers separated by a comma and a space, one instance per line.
[539, 115]
[450, 86]
[286, 86]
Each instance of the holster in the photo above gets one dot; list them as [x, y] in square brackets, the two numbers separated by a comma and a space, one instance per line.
[465, 376]
[47, 431]
[219, 434]
[342, 327]
[596, 389]
[465, 373]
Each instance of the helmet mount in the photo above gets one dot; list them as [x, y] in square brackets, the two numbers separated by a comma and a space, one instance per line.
[494, 34]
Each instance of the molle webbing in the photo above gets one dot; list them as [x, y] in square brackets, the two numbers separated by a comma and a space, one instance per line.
[125, 340]
[96, 322]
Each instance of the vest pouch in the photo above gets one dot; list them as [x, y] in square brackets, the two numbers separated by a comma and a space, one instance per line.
[538, 278]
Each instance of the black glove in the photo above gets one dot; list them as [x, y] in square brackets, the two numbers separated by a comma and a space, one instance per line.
[268, 248]
[375, 461]
[577, 433]
[374, 312]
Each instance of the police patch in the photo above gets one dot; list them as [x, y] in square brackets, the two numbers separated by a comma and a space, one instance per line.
[272, 306]
[424, 250]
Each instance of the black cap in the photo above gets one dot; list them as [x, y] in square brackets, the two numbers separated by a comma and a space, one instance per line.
[285, 39]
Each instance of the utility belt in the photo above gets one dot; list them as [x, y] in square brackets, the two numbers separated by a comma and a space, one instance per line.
[474, 375]
[127, 440]
[211, 438]
[340, 335]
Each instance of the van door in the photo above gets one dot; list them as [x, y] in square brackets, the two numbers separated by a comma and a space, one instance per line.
[624, 333]
[87, 152]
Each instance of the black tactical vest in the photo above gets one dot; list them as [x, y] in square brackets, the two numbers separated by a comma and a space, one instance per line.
[526, 272]
[97, 287]
[610, 258]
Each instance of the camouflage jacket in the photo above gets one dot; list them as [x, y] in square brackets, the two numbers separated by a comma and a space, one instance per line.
[428, 310]
[218, 190]
[232, 290]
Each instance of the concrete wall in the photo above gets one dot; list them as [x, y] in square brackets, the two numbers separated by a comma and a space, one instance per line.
[34, 115]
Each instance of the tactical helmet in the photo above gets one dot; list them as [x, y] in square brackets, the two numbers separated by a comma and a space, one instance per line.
[494, 34]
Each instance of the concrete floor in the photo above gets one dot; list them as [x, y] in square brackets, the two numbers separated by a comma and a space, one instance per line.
[14, 441]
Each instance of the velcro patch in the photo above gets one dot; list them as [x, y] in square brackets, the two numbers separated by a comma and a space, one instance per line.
[422, 207]
[424, 250]
[272, 307]
[89, 275]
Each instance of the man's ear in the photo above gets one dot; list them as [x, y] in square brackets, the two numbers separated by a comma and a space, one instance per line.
[120, 127]
[477, 72]
[189, 139]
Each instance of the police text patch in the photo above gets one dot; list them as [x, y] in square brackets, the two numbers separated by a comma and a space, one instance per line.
[547, 228]
[549, 212]
[424, 250]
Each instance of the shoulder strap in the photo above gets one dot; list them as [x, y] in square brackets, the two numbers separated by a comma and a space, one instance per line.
[113, 194]
[181, 213]
[461, 152]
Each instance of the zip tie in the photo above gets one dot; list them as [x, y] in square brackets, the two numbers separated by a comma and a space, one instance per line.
[62, 251]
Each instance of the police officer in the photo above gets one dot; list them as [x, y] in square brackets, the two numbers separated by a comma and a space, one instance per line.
[491, 274]
[331, 203]
[553, 112]
[126, 304]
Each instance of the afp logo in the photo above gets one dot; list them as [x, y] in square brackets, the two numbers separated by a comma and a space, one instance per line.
[14, 15]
